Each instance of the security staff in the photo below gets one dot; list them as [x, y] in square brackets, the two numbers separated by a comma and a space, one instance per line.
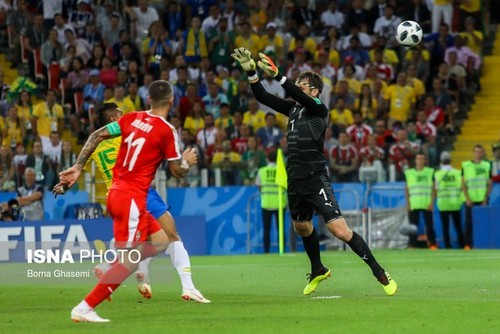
[477, 188]
[269, 198]
[420, 198]
[448, 185]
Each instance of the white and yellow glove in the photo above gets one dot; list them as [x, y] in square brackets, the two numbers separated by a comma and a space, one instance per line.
[244, 58]
[267, 65]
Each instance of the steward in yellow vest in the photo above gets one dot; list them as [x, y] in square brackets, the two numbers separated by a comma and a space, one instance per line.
[477, 186]
[420, 197]
[269, 198]
[448, 187]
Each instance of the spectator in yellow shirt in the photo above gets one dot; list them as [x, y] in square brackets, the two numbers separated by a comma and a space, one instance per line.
[47, 117]
[401, 100]
[133, 96]
[333, 55]
[470, 8]
[473, 38]
[372, 78]
[272, 41]
[421, 58]
[123, 103]
[254, 117]
[340, 116]
[224, 120]
[388, 56]
[354, 85]
[413, 81]
[228, 162]
[309, 43]
[247, 39]
[367, 104]
[13, 130]
[194, 121]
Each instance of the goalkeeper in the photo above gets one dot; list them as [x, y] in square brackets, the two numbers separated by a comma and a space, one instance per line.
[309, 187]
[105, 157]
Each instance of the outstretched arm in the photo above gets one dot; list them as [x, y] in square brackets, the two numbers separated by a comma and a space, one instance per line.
[310, 103]
[244, 58]
[69, 176]
[276, 103]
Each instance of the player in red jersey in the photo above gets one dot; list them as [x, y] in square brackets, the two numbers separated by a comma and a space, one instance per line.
[148, 139]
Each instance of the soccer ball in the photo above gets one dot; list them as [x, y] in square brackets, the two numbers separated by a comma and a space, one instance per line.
[409, 33]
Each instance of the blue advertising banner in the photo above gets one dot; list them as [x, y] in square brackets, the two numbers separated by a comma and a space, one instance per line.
[225, 215]
[17, 237]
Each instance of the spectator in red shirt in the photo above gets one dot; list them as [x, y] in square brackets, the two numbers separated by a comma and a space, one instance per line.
[382, 134]
[384, 71]
[402, 153]
[434, 113]
[427, 131]
[370, 152]
[108, 74]
[372, 156]
[359, 131]
[495, 163]
[186, 102]
[240, 143]
[344, 160]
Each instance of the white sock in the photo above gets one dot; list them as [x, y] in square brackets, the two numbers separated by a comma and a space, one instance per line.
[144, 268]
[83, 306]
[180, 261]
[104, 266]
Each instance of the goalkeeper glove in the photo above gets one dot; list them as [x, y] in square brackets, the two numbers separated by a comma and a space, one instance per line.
[267, 65]
[244, 58]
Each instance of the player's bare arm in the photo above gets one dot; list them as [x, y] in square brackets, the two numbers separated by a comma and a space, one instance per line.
[69, 176]
[180, 168]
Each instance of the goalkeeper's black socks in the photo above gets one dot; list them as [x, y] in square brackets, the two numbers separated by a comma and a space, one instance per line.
[359, 246]
[311, 245]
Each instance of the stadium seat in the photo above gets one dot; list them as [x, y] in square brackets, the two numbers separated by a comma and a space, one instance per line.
[83, 211]
[39, 74]
[53, 76]
[78, 100]
[9, 36]
[62, 87]
[24, 56]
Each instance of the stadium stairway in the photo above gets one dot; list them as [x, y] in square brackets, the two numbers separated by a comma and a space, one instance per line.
[482, 125]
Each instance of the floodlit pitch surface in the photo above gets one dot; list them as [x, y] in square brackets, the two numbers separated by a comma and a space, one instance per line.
[444, 291]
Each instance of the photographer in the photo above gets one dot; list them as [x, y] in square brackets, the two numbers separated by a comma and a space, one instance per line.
[13, 211]
[29, 198]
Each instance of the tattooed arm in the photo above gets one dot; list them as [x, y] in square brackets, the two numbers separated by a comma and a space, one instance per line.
[69, 176]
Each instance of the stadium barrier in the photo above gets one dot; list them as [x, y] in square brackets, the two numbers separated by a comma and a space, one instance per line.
[76, 235]
[215, 220]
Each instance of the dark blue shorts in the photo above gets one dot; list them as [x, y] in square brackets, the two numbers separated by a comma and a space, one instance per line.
[155, 204]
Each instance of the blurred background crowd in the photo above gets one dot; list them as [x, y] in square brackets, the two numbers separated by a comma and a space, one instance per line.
[62, 59]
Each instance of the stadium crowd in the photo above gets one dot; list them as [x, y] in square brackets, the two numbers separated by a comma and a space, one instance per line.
[386, 102]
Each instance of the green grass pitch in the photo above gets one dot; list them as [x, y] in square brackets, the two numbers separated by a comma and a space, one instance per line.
[439, 292]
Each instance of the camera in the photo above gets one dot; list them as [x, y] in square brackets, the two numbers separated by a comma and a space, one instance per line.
[13, 212]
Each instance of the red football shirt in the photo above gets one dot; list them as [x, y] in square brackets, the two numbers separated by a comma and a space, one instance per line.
[359, 135]
[146, 141]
